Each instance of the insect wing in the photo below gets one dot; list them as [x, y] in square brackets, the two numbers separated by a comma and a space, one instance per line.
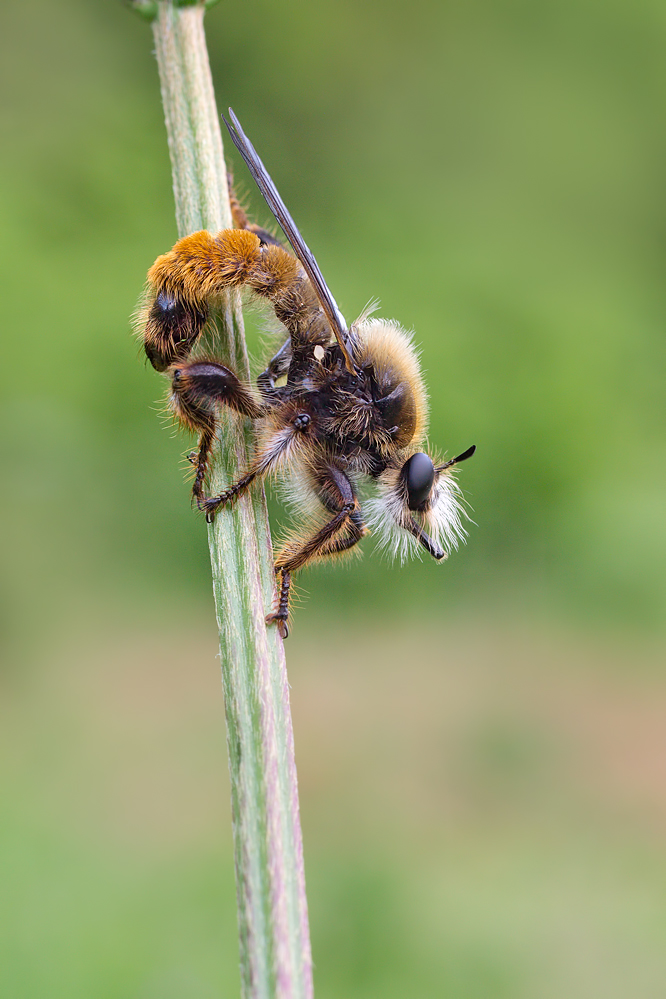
[265, 184]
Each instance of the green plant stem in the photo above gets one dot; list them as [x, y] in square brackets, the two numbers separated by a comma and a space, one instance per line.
[272, 908]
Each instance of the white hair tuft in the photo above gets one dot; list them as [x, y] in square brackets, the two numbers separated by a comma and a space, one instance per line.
[386, 512]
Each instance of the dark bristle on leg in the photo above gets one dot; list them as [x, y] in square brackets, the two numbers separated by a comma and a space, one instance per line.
[213, 503]
[281, 615]
[201, 462]
[339, 534]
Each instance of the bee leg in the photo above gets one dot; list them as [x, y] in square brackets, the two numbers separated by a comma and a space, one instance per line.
[201, 459]
[281, 615]
[323, 543]
[198, 389]
[318, 544]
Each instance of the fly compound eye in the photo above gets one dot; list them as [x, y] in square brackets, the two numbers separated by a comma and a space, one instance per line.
[418, 474]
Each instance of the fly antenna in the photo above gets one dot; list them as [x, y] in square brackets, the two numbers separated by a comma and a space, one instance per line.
[455, 461]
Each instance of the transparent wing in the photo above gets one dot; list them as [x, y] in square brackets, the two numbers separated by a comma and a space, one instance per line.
[301, 249]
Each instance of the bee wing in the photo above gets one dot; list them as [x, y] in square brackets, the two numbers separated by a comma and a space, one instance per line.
[301, 249]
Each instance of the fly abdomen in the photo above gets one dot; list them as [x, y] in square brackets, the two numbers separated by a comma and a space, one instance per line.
[398, 413]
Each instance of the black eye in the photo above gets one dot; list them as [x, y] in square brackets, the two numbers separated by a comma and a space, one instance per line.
[419, 475]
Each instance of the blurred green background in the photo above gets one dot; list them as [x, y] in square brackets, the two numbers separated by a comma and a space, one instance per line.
[481, 745]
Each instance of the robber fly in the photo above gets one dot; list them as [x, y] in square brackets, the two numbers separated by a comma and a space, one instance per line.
[335, 406]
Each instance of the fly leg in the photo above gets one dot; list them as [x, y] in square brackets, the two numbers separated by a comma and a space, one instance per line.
[340, 533]
[276, 447]
[211, 504]
[281, 615]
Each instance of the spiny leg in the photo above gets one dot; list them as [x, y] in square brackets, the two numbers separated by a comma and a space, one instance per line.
[317, 544]
[201, 459]
[356, 530]
[336, 492]
[211, 504]
[340, 533]
[281, 615]
[337, 544]
[290, 429]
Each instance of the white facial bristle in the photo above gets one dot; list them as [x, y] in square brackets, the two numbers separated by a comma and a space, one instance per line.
[385, 512]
